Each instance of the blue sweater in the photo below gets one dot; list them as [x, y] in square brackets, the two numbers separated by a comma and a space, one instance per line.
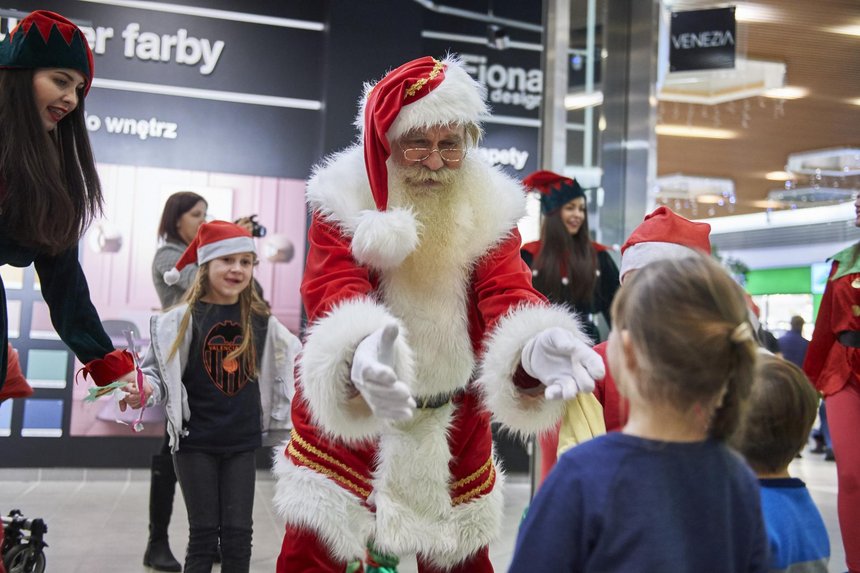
[622, 503]
[798, 538]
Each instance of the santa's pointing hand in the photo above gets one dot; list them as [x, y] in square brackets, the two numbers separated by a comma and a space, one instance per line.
[374, 377]
[563, 363]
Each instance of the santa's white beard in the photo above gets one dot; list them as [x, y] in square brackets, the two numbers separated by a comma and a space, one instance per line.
[434, 206]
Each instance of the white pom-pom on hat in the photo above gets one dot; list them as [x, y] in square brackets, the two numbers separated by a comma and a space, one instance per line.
[171, 277]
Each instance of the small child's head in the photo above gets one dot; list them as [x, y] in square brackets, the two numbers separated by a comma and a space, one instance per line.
[226, 254]
[780, 415]
[681, 339]
[663, 234]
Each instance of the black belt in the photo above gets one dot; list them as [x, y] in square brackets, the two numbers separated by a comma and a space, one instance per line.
[849, 338]
[439, 400]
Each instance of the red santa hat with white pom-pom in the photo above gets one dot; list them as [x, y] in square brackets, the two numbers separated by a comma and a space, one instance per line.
[214, 239]
[663, 235]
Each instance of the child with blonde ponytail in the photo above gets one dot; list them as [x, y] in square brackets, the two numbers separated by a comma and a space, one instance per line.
[665, 493]
[224, 366]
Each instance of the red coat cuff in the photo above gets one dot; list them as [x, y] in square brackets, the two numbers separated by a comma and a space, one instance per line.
[112, 367]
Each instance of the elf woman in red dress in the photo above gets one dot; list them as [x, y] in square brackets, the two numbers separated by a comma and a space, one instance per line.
[833, 365]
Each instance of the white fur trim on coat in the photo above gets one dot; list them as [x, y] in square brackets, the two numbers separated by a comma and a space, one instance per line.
[383, 239]
[411, 493]
[522, 415]
[326, 361]
[310, 500]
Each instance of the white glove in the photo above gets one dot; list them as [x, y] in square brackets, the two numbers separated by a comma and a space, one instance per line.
[374, 377]
[562, 362]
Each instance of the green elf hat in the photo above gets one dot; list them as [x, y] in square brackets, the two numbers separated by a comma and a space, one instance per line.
[45, 39]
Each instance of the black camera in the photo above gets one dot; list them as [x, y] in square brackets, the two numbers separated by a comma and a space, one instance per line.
[257, 230]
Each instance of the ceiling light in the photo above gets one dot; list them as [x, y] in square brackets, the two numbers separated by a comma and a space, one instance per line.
[849, 30]
[768, 204]
[711, 199]
[855, 101]
[693, 131]
[749, 78]
[788, 92]
[779, 176]
[817, 194]
[579, 100]
[839, 162]
[687, 191]
[745, 12]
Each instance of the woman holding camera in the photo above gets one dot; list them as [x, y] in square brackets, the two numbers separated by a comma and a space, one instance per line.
[183, 214]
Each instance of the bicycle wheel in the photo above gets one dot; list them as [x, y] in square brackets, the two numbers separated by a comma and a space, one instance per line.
[24, 559]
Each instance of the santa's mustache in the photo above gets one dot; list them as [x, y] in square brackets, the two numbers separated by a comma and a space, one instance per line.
[419, 174]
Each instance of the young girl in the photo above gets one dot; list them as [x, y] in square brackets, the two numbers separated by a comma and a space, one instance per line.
[49, 187]
[224, 366]
[665, 494]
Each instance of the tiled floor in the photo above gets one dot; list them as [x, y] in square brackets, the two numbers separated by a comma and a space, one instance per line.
[97, 519]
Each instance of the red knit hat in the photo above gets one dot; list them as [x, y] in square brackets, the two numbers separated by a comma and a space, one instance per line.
[419, 94]
[45, 39]
[214, 239]
[555, 190]
[663, 235]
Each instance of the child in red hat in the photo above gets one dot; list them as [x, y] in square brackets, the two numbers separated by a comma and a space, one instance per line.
[49, 187]
[224, 366]
[662, 235]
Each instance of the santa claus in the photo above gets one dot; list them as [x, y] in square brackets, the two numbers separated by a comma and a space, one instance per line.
[423, 325]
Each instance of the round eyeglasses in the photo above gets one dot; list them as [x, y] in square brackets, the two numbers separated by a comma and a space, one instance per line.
[448, 154]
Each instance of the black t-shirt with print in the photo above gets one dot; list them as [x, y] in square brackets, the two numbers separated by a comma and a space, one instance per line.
[224, 401]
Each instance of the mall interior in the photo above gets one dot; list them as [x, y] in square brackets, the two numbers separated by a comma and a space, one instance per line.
[756, 132]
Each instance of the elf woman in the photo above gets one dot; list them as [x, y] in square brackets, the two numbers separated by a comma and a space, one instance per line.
[568, 268]
[49, 188]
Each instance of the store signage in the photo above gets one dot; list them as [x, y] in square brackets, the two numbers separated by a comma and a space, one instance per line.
[195, 89]
[702, 40]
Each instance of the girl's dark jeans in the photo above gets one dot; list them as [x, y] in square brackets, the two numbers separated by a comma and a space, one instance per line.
[219, 496]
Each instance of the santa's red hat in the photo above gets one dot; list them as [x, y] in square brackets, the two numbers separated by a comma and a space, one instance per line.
[419, 94]
[663, 235]
[214, 239]
[45, 39]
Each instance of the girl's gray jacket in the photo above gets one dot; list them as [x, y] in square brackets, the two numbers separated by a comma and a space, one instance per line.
[276, 376]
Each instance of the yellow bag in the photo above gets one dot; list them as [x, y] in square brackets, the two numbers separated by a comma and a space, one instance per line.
[582, 420]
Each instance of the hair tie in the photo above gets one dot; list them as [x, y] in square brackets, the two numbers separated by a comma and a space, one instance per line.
[742, 333]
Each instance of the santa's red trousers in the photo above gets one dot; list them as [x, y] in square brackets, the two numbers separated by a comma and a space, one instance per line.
[303, 552]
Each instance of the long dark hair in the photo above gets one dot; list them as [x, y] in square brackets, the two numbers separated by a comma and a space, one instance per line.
[52, 189]
[561, 250]
[177, 205]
